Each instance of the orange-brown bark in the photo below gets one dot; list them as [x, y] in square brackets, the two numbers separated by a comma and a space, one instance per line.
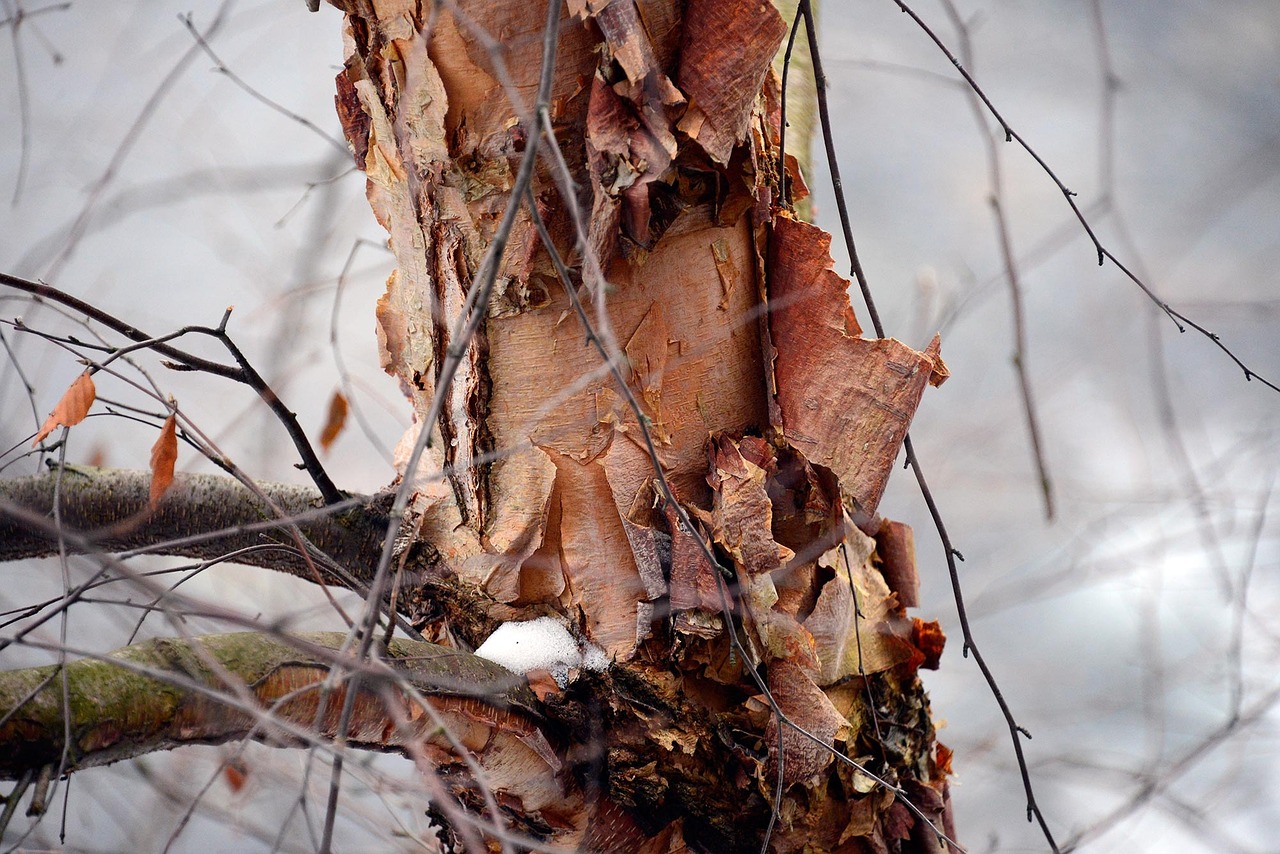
[774, 420]
[758, 632]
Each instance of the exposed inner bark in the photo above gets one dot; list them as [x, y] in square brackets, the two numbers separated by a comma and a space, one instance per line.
[790, 655]
[775, 421]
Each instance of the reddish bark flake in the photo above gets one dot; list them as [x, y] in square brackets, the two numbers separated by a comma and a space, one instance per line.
[845, 401]
[511, 721]
[630, 142]
[164, 454]
[930, 640]
[543, 684]
[625, 156]
[805, 704]
[727, 48]
[355, 121]
[896, 546]
[72, 409]
[693, 578]
[942, 759]
[743, 514]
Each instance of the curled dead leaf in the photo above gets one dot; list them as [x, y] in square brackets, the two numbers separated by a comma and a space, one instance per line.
[334, 421]
[164, 453]
[236, 774]
[71, 409]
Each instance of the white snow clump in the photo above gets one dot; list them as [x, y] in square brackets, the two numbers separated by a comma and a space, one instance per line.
[541, 644]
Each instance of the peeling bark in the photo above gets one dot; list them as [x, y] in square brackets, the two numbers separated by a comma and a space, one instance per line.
[160, 694]
[775, 422]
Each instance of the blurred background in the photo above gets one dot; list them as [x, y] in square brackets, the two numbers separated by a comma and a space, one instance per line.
[1130, 635]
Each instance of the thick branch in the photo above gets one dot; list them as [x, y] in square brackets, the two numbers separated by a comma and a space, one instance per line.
[164, 693]
[201, 516]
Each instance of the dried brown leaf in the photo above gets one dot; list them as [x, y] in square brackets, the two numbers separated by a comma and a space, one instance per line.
[334, 421]
[72, 409]
[237, 774]
[164, 453]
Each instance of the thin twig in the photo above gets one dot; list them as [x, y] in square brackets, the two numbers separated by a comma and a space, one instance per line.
[222, 68]
[1180, 320]
[131, 137]
[17, 16]
[1012, 277]
[1015, 731]
[1180, 766]
[243, 372]
[335, 347]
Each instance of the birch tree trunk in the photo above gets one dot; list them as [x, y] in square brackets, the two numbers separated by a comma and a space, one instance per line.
[685, 473]
[774, 421]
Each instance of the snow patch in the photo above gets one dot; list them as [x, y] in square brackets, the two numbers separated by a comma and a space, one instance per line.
[541, 644]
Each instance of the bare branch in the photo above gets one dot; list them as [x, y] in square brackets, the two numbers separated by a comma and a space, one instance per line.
[245, 372]
[202, 516]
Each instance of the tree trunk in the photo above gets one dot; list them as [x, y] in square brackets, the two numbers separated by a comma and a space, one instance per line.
[749, 597]
[774, 422]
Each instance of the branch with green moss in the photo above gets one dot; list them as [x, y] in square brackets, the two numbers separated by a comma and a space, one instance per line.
[160, 694]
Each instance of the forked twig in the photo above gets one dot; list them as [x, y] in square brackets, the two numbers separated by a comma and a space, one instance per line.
[242, 372]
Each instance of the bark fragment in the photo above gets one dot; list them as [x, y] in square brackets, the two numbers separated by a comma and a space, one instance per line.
[727, 50]
[846, 402]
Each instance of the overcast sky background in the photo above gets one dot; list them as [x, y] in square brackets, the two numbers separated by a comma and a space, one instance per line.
[1110, 630]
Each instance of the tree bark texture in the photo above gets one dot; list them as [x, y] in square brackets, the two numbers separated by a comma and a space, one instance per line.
[776, 423]
[789, 663]
[164, 693]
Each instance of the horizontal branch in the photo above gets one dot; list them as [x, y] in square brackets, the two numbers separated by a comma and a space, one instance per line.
[200, 516]
[163, 693]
